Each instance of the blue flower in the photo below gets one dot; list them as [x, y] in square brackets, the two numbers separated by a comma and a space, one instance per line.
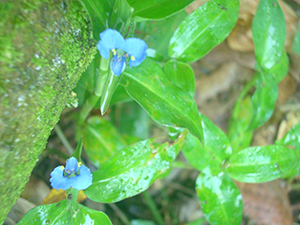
[118, 64]
[110, 40]
[136, 49]
[74, 175]
[132, 48]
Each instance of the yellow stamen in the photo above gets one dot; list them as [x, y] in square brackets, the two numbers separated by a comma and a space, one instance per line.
[62, 167]
[114, 51]
[79, 164]
[132, 58]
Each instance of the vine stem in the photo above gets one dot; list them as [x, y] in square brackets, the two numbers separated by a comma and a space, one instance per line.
[63, 139]
[152, 206]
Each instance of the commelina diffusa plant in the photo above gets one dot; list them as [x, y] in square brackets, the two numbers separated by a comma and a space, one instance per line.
[161, 81]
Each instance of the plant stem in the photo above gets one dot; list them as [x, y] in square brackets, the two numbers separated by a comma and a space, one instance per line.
[152, 206]
[95, 96]
[72, 196]
[63, 139]
[122, 216]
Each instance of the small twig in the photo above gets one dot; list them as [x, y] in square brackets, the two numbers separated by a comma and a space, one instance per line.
[152, 206]
[63, 139]
[120, 214]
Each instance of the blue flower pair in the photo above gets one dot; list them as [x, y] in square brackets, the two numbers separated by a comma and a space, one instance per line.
[75, 175]
[133, 48]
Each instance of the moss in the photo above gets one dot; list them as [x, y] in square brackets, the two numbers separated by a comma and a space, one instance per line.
[44, 47]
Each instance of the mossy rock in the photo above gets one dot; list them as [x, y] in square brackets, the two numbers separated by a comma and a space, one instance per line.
[44, 47]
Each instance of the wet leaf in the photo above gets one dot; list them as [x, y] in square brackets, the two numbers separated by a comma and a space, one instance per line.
[181, 74]
[154, 10]
[204, 29]
[264, 99]
[220, 199]
[101, 140]
[269, 32]
[261, 164]
[132, 170]
[165, 102]
[59, 213]
[238, 133]
[208, 158]
[292, 140]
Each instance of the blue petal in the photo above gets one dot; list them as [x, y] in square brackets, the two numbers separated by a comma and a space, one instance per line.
[58, 181]
[137, 48]
[84, 179]
[110, 39]
[117, 64]
[72, 165]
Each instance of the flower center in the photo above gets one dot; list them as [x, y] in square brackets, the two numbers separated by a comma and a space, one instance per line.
[71, 172]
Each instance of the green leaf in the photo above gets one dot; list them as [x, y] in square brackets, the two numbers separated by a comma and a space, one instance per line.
[78, 150]
[134, 121]
[181, 74]
[59, 213]
[292, 140]
[261, 164]
[280, 69]
[238, 133]
[87, 82]
[158, 9]
[111, 84]
[132, 170]
[120, 95]
[204, 29]
[220, 199]
[216, 150]
[264, 99]
[268, 32]
[296, 43]
[101, 140]
[165, 103]
[157, 34]
[292, 137]
[107, 14]
[97, 11]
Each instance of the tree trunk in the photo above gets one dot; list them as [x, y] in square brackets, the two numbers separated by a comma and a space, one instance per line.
[44, 47]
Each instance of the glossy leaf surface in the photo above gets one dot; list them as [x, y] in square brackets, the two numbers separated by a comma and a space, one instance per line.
[264, 99]
[292, 140]
[261, 164]
[132, 170]
[157, 9]
[204, 29]
[220, 199]
[269, 32]
[208, 158]
[101, 140]
[165, 102]
[181, 74]
[62, 213]
[238, 133]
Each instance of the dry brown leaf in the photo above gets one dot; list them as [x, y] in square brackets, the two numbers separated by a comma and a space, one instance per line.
[287, 87]
[292, 118]
[58, 195]
[266, 203]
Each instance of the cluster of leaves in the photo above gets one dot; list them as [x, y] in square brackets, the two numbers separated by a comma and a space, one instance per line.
[163, 85]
